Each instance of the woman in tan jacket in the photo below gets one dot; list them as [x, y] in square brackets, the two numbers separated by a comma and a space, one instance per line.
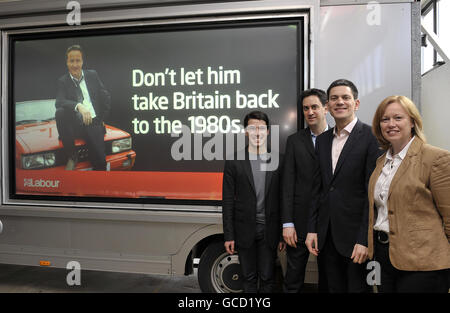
[409, 203]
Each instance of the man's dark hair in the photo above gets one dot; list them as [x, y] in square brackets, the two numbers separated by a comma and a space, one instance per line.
[74, 48]
[319, 93]
[343, 82]
[256, 115]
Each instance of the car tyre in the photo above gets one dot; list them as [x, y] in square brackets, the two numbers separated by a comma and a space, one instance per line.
[218, 271]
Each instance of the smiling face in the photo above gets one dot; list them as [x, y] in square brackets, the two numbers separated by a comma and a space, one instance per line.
[396, 126]
[257, 133]
[342, 105]
[75, 63]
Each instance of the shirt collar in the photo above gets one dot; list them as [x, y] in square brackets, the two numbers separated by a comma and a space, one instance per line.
[76, 80]
[401, 154]
[347, 128]
[314, 135]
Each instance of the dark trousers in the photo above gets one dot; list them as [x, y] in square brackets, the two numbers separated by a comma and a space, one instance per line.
[323, 283]
[394, 280]
[258, 262]
[342, 274]
[70, 126]
[297, 258]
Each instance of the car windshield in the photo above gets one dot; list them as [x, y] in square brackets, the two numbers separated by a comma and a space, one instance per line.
[35, 111]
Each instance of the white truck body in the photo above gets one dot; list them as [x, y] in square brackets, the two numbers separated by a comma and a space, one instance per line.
[374, 44]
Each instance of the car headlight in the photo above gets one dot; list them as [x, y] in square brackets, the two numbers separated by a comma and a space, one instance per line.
[121, 145]
[40, 160]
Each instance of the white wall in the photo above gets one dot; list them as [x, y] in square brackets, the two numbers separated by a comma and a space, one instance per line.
[375, 55]
[436, 106]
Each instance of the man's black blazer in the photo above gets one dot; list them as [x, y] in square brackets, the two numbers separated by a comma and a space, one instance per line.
[300, 165]
[239, 203]
[66, 95]
[341, 199]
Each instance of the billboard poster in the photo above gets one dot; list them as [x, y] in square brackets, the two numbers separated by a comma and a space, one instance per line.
[167, 104]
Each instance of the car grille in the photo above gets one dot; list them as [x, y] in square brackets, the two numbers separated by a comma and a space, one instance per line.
[83, 154]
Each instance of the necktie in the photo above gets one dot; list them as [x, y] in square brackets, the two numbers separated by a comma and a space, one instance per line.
[79, 93]
[313, 137]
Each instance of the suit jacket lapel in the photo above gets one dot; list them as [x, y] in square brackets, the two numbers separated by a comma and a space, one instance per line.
[91, 82]
[268, 180]
[89, 85]
[248, 169]
[305, 136]
[71, 88]
[352, 139]
[415, 147]
[329, 145]
[372, 182]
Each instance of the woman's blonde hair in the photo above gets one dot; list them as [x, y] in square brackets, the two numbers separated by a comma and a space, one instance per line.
[409, 107]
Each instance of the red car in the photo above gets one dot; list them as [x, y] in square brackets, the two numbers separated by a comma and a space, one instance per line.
[38, 146]
[40, 165]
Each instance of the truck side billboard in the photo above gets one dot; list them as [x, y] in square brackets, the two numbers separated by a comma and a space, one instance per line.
[178, 98]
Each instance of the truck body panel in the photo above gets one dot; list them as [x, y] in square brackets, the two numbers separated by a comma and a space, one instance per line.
[157, 238]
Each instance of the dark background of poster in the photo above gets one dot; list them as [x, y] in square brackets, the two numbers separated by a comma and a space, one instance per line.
[268, 57]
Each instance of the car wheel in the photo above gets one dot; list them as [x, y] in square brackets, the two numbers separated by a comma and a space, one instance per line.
[218, 271]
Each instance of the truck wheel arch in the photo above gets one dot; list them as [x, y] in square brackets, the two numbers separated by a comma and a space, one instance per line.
[193, 247]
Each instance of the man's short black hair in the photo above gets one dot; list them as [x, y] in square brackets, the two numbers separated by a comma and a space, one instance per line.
[256, 115]
[74, 48]
[319, 93]
[343, 82]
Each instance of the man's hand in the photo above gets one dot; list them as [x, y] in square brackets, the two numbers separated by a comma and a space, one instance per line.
[87, 118]
[290, 236]
[360, 254]
[281, 246]
[229, 246]
[311, 243]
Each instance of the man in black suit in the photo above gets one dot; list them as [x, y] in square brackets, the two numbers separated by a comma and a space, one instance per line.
[338, 222]
[82, 104]
[250, 206]
[300, 163]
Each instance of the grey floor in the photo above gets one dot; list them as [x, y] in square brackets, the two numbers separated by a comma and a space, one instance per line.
[30, 279]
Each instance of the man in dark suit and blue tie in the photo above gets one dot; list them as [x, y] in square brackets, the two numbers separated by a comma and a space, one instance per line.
[82, 105]
[300, 164]
[338, 222]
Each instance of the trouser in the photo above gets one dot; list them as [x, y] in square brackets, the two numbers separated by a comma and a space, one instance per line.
[343, 276]
[258, 263]
[394, 280]
[297, 259]
[70, 126]
[323, 283]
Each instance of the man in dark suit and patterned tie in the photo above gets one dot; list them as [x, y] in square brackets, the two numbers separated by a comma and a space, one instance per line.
[338, 222]
[300, 163]
[82, 105]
